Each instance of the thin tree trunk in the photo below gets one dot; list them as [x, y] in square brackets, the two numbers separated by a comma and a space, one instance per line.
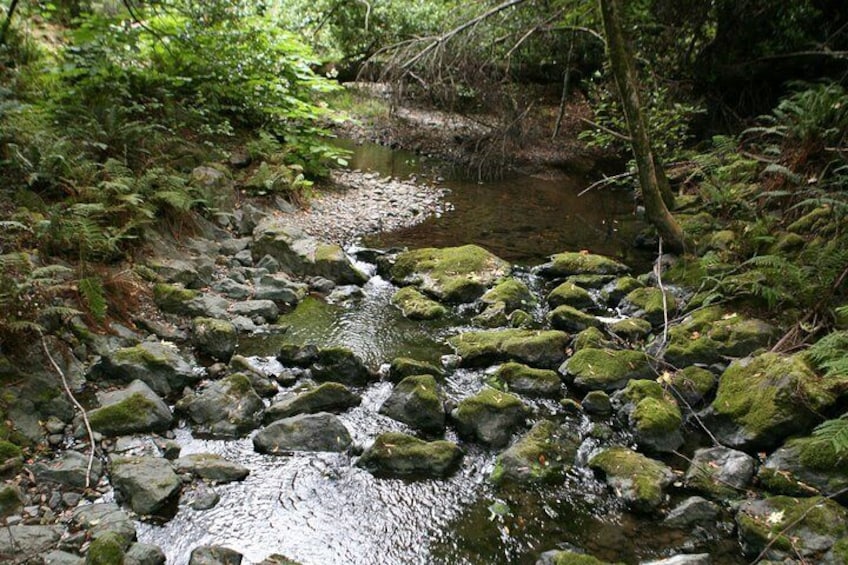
[656, 192]
[8, 21]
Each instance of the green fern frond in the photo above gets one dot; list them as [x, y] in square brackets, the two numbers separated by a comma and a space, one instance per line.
[20, 327]
[94, 297]
[830, 354]
[63, 312]
[835, 432]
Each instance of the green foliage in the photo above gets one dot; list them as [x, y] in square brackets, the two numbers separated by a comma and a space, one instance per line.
[835, 432]
[830, 354]
[93, 296]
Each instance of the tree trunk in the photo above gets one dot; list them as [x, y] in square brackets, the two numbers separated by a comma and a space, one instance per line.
[8, 21]
[656, 192]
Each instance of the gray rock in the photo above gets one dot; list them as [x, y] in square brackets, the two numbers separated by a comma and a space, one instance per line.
[211, 467]
[182, 272]
[401, 455]
[216, 338]
[144, 554]
[20, 543]
[694, 511]
[544, 454]
[135, 409]
[63, 558]
[417, 401]
[280, 288]
[69, 469]
[521, 379]
[568, 318]
[597, 402]
[158, 364]
[255, 309]
[232, 246]
[635, 478]
[101, 518]
[147, 484]
[720, 471]
[232, 289]
[327, 397]
[490, 416]
[306, 432]
[340, 364]
[804, 466]
[214, 555]
[208, 305]
[246, 218]
[203, 499]
[226, 408]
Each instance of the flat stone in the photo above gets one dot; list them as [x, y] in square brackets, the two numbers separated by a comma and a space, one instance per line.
[212, 467]
[69, 469]
[305, 432]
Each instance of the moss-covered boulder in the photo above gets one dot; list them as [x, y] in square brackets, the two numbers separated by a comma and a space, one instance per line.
[11, 500]
[653, 415]
[566, 264]
[596, 402]
[395, 454]
[402, 367]
[146, 484]
[805, 466]
[305, 432]
[631, 329]
[174, 298]
[340, 364]
[521, 379]
[693, 384]
[761, 401]
[720, 472]
[135, 409]
[613, 292]
[543, 454]
[11, 458]
[569, 294]
[648, 303]
[570, 319]
[543, 349]
[710, 335]
[493, 316]
[159, 364]
[591, 338]
[108, 549]
[490, 417]
[215, 338]
[453, 275]
[607, 369]
[418, 402]
[415, 306]
[226, 408]
[791, 527]
[638, 480]
[326, 397]
[557, 557]
[512, 293]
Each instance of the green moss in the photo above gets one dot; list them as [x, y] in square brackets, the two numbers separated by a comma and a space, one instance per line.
[9, 450]
[840, 551]
[123, 415]
[402, 367]
[571, 319]
[572, 295]
[238, 384]
[571, 558]
[139, 355]
[544, 349]
[416, 306]
[607, 369]
[488, 398]
[543, 454]
[173, 298]
[650, 300]
[631, 328]
[642, 478]
[591, 337]
[575, 263]
[525, 380]
[425, 387]
[513, 293]
[106, 549]
[620, 288]
[711, 334]
[639, 389]
[10, 500]
[693, 382]
[656, 416]
[399, 454]
[818, 515]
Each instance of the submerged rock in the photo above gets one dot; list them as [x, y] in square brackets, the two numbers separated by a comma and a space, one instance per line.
[306, 432]
[805, 466]
[211, 467]
[537, 348]
[607, 369]
[400, 455]
[453, 275]
[415, 306]
[720, 472]
[637, 479]
[135, 409]
[146, 484]
[653, 415]
[566, 264]
[327, 397]
[417, 401]
[490, 417]
[402, 367]
[226, 408]
[544, 454]
[521, 379]
[158, 364]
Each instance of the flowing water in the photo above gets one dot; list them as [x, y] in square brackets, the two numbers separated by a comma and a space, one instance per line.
[319, 508]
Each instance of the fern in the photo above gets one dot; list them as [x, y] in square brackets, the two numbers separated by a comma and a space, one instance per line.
[830, 354]
[835, 432]
[91, 291]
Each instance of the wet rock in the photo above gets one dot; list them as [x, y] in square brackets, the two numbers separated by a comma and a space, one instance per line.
[591, 338]
[232, 289]
[637, 479]
[712, 334]
[216, 338]
[208, 305]
[631, 329]
[453, 275]
[566, 264]
[490, 417]
[214, 555]
[688, 559]
[20, 543]
[521, 379]
[265, 310]
[211, 467]
[648, 303]
[340, 364]
[817, 525]
[597, 402]
[693, 384]
[805, 466]
[301, 254]
[225, 408]
[494, 316]
[101, 518]
[279, 288]
[144, 554]
[720, 472]
[11, 501]
[402, 367]
[570, 319]
[613, 292]
[652, 414]
[543, 454]
[417, 401]
[305, 432]
[569, 294]
[69, 469]
[146, 484]
[761, 401]
[694, 511]
[606, 369]
[512, 294]
[62, 558]
[108, 549]
[158, 364]
[11, 458]
[556, 557]
[135, 409]
[292, 355]
[415, 306]
[537, 348]
[261, 382]
[400, 455]
[277, 559]
[327, 397]
[204, 499]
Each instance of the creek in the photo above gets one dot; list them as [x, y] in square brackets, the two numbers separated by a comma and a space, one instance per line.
[319, 508]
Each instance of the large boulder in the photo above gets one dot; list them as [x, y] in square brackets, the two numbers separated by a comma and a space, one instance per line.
[135, 409]
[146, 484]
[305, 432]
[805, 466]
[103, 518]
[158, 364]
[521, 379]
[653, 415]
[416, 306]
[570, 263]
[637, 479]
[216, 338]
[69, 469]
[537, 348]
[226, 408]
[453, 275]
[607, 369]
[490, 417]
[512, 293]
[648, 303]
[568, 318]
[211, 467]
[327, 397]
[720, 472]
[761, 401]
[543, 454]
[400, 455]
[417, 401]
[300, 254]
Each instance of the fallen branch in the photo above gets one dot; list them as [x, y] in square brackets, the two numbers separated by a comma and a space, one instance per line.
[658, 271]
[605, 181]
[605, 129]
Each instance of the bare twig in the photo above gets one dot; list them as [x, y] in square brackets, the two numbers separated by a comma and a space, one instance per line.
[565, 79]
[605, 181]
[658, 271]
[613, 133]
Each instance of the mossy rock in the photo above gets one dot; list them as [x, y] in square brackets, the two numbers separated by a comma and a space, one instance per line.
[135, 409]
[11, 458]
[402, 367]
[805, 466]
[173, 298]
[722, 240]
[761, 401]
[590, 281]
[570, 558]
[418, 402]
[544, 454]
[521, 319]
[566, 264]
[226, 408]
[340, 364]
[570, 319]
[570, 294]
[653, 415]
[415, 306]
[513, 293]
[396, 454]
[326, 397]
[647, 303]
[693, 384]
[817, 221]
[521, 379]
[596, 402]
[490, 417]
[607, 369]
[710, 335]
[453, 275]
[494, 316]
[591, 338]
[613, 292]
[107, 549]
[159, 364]
[537, 348]
[10, 500]
[631, 329]
[638, 480]
[216, 338]
[815, 525]
[720, 472]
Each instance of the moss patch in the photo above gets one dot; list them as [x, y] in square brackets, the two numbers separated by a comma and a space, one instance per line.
[639, 480]
[513, 293]
[401, 455]
[711, 334]
[402, 367]
[522, 379]
[544, 454]
[172, 298]
[572, 295]
[576, 263]
[127, 416]
[607, 369]
[631, 329]
[415, 306]
[544, 349]
[571, 319]
[648, 302]
[591, 337]
[106, 549]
